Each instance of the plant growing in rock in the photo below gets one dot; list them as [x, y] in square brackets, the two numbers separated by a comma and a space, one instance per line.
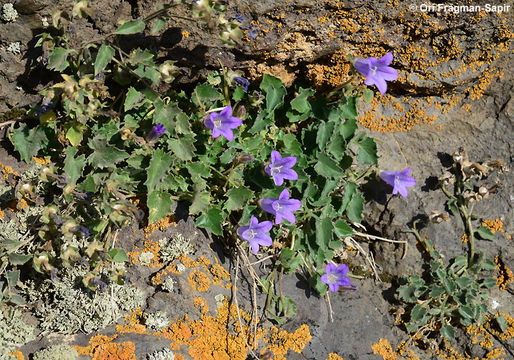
[454, 294]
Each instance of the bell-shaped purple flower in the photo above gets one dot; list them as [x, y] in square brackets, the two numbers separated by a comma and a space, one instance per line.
[282, 208]
[280, 168]
[223, 123]
[256, 234]
[336, 276]
[399, 180]
[377, 71]
[244, 82]
[156, 132]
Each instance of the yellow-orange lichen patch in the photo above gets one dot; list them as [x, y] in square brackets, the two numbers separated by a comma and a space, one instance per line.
[219, 274]
[133, 323]
[464, 238]
[485, 333]
[18, 355]
[188, 262]
[199, 280]
[201, 304]
[505, 275]
[149, 246]
[41, 161]
[2, 214]
[333, 356]
[493, 225]
[101, 347]
[384, 349]
[161, 225]
[7, 170]
[280, 341]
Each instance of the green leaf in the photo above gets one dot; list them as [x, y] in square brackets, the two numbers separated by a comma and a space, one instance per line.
[133, 99]
[452, 206]
[300, 103]
[342, 229]
[463, 282]
[368, 95]
[488, 264]
[406, 293]
[131, 27]
[275, 91]
[325, 131]
[28, 142]
[347, 130]
[212, 221]
[466, 312]
[436, 291]
[182, 147]
[104, 155]
[367, 154]
[158, 25]
[159, 205]
[485, 233]
[349, 191]
[74, 134]
[489, 283]
[58, 59]
[73, 166]
[354, 209]
[327, 167]
[159, 167]
[201, 201]
[17, 259]
[448, 332]
[237, 198]
[118, 255]
[502, 323]
[13, 277]
[238, 94]
[292, 145]
[417, 313]
[323, 233]
[206, 93]
[348, 110]
[103, 58]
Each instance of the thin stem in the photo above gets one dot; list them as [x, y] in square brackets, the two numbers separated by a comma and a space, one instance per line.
[7, 123]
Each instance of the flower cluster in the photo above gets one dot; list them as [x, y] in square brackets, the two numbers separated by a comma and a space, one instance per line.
[281, 207]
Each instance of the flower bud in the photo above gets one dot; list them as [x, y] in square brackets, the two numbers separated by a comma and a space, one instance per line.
[46, 172]
[42, 263]
[168, 71]
[69, 226]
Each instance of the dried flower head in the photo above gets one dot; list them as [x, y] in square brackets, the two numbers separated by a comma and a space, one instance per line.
[438, 216]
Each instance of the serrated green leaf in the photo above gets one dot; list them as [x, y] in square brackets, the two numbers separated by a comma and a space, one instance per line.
[448, 332]
[118, 255]
[58, 59]
[485, 233]
[238, 94]
[489, 283]
[406, 293]
[18, 259]
[206, 93]
[347, 130]
[103, 58]
[275, 91]
[158, 25]
[466, 312]
[201, 202]
[502, 323]
[300, 103]
[159, 205]
[367, 154]
[348, 110]
[211, 220]
[182, 147]
[323, 233]
[488, 265]
[13, 277]
[73, 166]
[131, 27]
[325, 131]
[355, 207]
[237, 198]
[292, 145]
[104, 154]
[463, 282]
[342, 229]
[417, 313]
[28, 142]
[133, 99]
[74, 134]
[327, 167]
[368, 95]
[436, 292]
[159, 167]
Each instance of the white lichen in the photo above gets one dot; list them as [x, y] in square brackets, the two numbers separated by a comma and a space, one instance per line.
[219, 300]
[157, 321]
[14, 331]
[175, 247]
[14, 48]
[56, 352]
[181, 267]
[145, 258]
[164, 354]
[44, 21]
[9, 13]
[168, 284]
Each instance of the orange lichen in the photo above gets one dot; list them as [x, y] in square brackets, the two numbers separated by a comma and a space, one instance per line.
[333, 356]
[101, 347]
[505, 275]
[384, 349]
[7, 170]
[18, 355]
[494, 225]
[133, 323]
[185, 33]
[161, 225]
[201, 304]
[41, 161]
[280, 341]
[2, 214]
[148, 246]
[464, 238]
[199, 280]
[188, 262]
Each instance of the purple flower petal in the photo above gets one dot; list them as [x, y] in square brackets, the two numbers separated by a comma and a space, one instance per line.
[387, 73]
[362, 66]
[330, 267]
[275, 156]
[377, 71]
[386, 59]
[266, 205]
[289, 174]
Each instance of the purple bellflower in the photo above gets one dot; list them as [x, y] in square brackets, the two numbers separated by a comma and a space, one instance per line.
[156, 132]
[282, 207]
[280, 168]
[223, 123]
[256, 233]
[336, 276]
[377, 71]
[399, 180]
[244, 82]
